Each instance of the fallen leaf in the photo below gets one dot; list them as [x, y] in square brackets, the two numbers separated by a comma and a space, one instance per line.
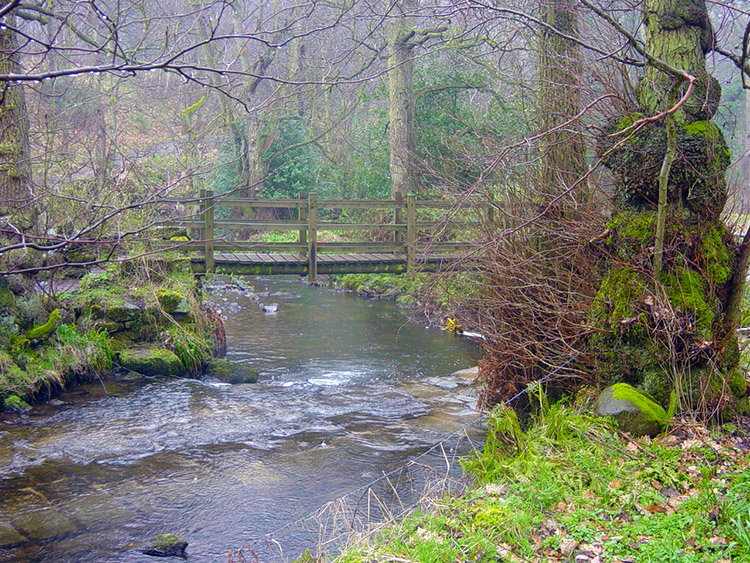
[654, 508]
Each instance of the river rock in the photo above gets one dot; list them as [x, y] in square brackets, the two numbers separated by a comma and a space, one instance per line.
[443, 382]
[468, 373]
[33, 516]
[166, 545]
[631, 417]
[9, 535]
[151, 361]
[230, 372]
[15, 404]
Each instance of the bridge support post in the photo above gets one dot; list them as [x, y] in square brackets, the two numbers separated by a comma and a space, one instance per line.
[207, 202]
[411, 233]
[312, 234]
[398, 219]
[302, 217]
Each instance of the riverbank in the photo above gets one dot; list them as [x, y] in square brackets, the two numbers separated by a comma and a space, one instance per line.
[573, 488]
[432, 296]
[146, 318]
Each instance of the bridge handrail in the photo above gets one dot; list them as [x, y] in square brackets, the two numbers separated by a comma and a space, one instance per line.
[307, 205]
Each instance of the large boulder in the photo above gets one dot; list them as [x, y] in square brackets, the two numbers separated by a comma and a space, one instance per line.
[636, 413]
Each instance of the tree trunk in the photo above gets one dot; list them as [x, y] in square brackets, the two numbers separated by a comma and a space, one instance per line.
[679, 33]
[401, 98]
[15, 165]
[563, 153]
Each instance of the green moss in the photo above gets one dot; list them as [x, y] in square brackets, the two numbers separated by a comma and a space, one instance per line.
[151, 361]
[706, 129]
[737, 383]
[631, 234]
[169, 299]
[655, 382]
[718, 264]
[650, 408]
[7, 298]
[166, 541]
[696, 181]
[14, 403]
[167, 545]
[44, 331]
[686, 291]
[120, 311]
[617, 299]
[627, 120]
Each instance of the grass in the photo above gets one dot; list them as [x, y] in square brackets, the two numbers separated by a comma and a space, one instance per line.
[570, 487]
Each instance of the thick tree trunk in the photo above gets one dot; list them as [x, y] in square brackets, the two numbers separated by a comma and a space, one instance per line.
[563, 153]
[679, 33]
[401, 97]
[15, 165]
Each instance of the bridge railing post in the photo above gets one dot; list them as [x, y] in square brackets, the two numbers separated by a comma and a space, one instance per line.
[411, 232]
[398, 235]
[302, 217]
[207, 201]
[312, 234]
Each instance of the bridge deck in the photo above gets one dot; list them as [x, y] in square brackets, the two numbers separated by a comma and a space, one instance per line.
[268, 263]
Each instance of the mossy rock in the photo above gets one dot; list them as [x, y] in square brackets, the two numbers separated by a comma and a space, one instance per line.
[122, 311]
[230, 372]
[16, 404]
[166, 545]
[151, 361]
[636, 413]
[169, 299]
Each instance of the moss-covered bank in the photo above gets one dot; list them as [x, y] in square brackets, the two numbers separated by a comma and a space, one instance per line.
[433, 295]
[144, 317]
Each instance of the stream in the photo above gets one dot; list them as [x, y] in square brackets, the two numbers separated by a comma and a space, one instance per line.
[348, 390]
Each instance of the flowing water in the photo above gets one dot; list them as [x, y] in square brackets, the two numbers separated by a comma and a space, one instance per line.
[348, 390]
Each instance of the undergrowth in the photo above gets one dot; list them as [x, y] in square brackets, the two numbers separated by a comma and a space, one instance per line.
[570, 487]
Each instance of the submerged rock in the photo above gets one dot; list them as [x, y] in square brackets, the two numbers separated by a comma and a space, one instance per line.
[270, 308]
[166, 545]
[230, 372]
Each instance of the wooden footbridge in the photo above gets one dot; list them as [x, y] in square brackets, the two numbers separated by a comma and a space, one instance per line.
[415, 236]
